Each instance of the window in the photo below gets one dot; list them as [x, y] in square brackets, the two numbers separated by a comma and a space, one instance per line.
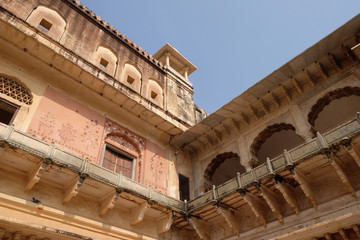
[7, 111]
[153, 95]
[103, 63]
[130, 79]
[184, 188]
[45, 25]
[118, 161]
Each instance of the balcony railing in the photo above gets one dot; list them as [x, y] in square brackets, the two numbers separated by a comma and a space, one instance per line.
[58, 156]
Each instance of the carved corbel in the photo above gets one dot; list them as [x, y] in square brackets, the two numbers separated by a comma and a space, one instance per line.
[229, 218]
[305, 186]
[235, 123]
[256, 206]
[2, 233]
[352, 150]
[296, 85]
[137, 213]
[73, 188]
[276, 99]
[309, 78]
[343, 234]
[16, 236]
[340, 172]
[201, 228]
[334, 62]
[328, 236]
[35, 175]
[108, 202]
[31, 237]
[286, 93]
[272, 200]
[254, 111]
[264, 105]
[288, 195]
[245, 118]
[321, 70]
[164, 223]
[356, 230]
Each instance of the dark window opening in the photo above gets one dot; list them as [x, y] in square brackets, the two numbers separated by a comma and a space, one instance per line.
[119, 162]
[153, 95]
[103, 63]
[130, 80]
[45, 25]
[184, 188]
[7, 111]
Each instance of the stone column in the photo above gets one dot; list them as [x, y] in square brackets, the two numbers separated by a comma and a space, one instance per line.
[244, 153]
[303, 127]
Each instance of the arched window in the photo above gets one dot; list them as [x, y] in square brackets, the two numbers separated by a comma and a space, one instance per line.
[48, 21]
[155, 92]
[334, 108]
[131, 77]
[272, 141]
[105, 59]
[222, 168]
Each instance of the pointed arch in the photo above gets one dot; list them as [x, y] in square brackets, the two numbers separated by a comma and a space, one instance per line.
[222, 168]
[131, 76]
[324, 115]
[106, 59]
[272, 141]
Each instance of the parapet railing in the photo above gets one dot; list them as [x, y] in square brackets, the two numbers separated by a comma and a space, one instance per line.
[61, 157]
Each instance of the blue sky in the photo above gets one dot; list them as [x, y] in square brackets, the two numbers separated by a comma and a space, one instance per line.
[234, 44]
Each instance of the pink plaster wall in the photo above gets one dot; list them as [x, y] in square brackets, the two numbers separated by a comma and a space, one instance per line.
[84, 132]
[72, 125]
[155, 167]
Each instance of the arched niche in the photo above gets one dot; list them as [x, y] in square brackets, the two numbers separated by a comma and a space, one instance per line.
[154, 92]
[131, 77]
[48, 21]
[334, 108]
[106, 59]
[222, 168]
[272, 141]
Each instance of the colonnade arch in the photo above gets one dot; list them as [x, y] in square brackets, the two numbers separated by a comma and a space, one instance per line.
[222, 168]
[272, 141]
[334, 108]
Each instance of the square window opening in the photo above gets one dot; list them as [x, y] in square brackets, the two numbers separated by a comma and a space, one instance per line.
[7, 111]
[153, 95]
[103, 63]
[118, 161]
[130, 80]
[184, 188]
[44, 24]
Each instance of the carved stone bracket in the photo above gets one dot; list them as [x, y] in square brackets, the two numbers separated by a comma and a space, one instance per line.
[305, 186]
[108, 202]
[352, 150]
[35, 175]
[73, 188]
[273, 201]
[256, 206]
[343, 234]
[334, 161]
[201, 228]
[16, 236]
[164, 223]
[288, 195]
[230, 219]
[137, 213]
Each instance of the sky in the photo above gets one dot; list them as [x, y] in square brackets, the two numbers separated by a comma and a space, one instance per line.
[233, 43]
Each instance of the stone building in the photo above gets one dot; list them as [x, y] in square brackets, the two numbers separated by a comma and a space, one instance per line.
[101, 140]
